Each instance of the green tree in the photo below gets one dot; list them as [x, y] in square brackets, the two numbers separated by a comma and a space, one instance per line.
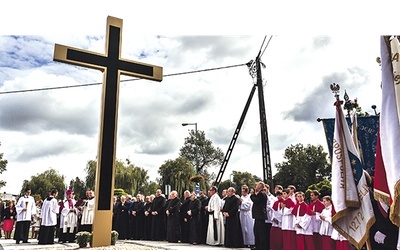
[130, 178]
[237, 180]
[303, 167]
[90, 174]
[118, 192]
[78, 186]
[244, 178]
[43, 183]
[224, 185]
[150, 188]
[3, 166]
[177, 173]
[323, 187]
[207, 155]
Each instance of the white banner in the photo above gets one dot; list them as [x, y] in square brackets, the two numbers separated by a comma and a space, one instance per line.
[389, 122]
[350, 193]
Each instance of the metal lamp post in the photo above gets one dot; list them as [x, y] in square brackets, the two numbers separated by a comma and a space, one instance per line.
[197, 158]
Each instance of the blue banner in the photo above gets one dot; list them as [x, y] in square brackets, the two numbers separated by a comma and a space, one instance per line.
[367, 133]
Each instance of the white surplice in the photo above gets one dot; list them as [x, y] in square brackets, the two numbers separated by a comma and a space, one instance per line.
[27, 202]
[88, 212]
[246, 220]
[49, 212]
[69, 217]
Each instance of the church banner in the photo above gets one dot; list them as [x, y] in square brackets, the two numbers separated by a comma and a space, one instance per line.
[367, 131]
[387, 180]
[350, 193]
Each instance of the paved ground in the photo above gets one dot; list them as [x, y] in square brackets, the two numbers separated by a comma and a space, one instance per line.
[121, 245]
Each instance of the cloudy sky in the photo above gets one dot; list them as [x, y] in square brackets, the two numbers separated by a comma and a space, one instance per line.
[59, 128]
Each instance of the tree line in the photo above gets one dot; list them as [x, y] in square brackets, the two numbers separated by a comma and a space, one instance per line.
[305, 167]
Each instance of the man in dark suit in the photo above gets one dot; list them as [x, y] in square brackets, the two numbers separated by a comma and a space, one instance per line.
[259, 213]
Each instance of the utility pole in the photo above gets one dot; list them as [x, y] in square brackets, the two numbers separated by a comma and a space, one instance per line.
[266, 156]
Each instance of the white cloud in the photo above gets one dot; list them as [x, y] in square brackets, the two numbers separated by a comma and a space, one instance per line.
[59, 128]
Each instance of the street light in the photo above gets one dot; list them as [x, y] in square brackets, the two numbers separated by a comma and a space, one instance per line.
[197, 159]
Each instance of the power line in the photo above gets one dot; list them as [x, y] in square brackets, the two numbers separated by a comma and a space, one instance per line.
[266, 46]
[261, 53]
[127, 80]
[265, 37]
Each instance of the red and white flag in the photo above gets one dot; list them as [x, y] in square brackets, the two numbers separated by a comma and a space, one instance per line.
[387, 164]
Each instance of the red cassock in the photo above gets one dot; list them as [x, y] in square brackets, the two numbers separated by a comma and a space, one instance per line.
[302, 208]
[316, 207]
[277, 204]
[276, 232]
[289, 236]
[289, 203]
[304, 235]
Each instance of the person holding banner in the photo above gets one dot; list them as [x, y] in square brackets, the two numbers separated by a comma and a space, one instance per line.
[383, 234]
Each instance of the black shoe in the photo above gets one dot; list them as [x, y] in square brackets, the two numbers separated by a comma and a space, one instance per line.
[17, 242]
[25, 241]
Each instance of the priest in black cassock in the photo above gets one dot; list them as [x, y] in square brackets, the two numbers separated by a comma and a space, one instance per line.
[147, 217]
[194, 219]
[203, 217]
[158, 217]
[122, 221]
[139, 214]
[233, 231]
[114, 216]
[48, 223]
[173, 217]
[185, 217]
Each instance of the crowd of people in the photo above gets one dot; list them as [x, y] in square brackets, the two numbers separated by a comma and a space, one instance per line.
[48, 219]
[257, 219]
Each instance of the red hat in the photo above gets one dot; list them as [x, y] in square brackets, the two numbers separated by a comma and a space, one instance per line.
[69, 191]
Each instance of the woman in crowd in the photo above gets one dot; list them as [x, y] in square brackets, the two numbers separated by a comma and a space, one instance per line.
[9, 215]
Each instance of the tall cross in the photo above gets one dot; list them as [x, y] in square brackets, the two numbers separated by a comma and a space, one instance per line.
[113, 66]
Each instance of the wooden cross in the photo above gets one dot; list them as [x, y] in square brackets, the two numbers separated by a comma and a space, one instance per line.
[113, 66]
